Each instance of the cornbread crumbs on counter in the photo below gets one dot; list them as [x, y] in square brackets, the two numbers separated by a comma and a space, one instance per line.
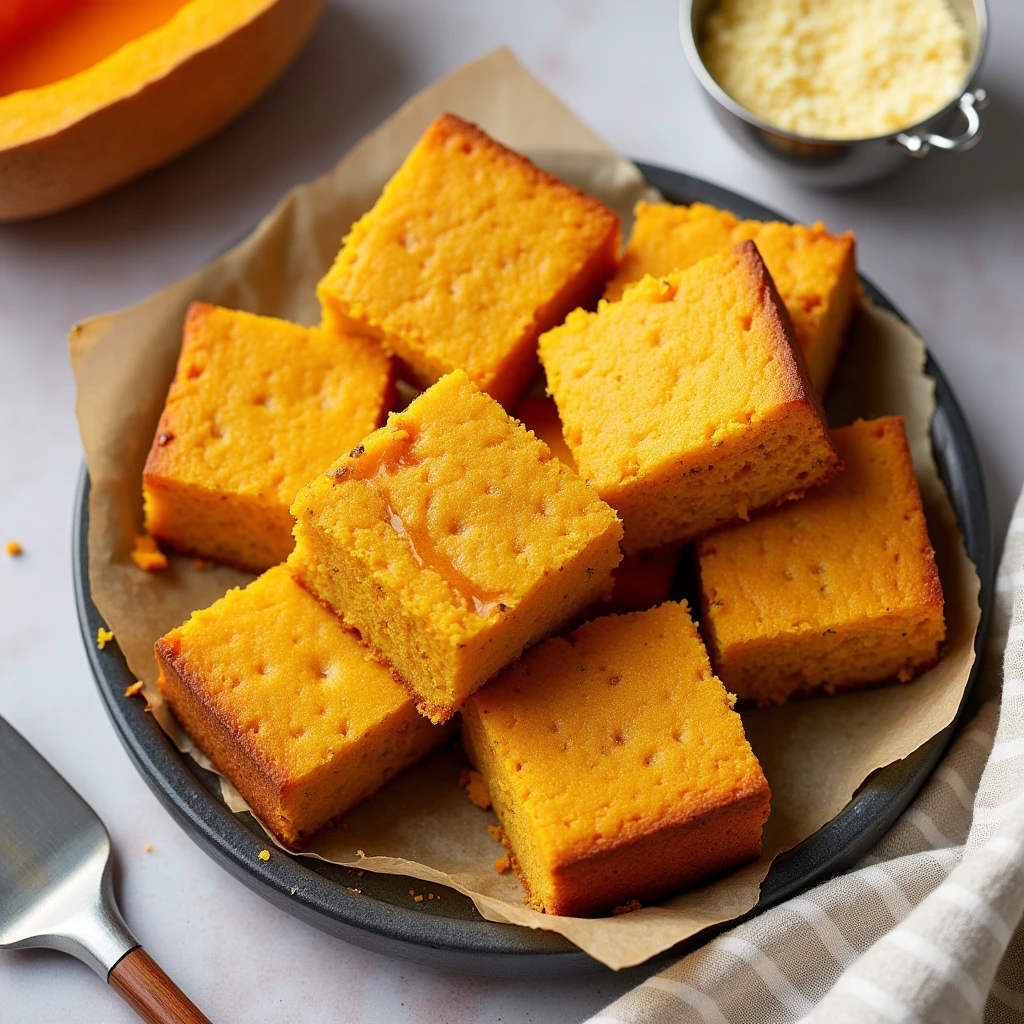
[135, 688]
[470, 253]
[147, 555]
[836, 69]
[418, 899]
[103, 637]
[495, 832]
[292, 892]
[502, 864]
[13, 548]
[350, 889]
[476, 789]
[627, 908]
[264, 855]
[360, 854]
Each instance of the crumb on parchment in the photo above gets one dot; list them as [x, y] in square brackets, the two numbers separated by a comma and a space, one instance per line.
[264, 855]
[13, 548]
[148, 847]
[627, 909]
[202, 564]
[103, 637]
[495, 832]
[146, 555]
[135, 688]
[502, 864]
[476, 789]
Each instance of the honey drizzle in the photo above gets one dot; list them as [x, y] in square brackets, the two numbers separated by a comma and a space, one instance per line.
[374, 470]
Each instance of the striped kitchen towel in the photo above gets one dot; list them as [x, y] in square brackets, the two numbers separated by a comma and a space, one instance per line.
[928, 927]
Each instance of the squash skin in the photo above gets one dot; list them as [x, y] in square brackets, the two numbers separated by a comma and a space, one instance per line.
[149, 125]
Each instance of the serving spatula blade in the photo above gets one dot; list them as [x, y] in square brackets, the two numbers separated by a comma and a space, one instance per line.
[55, 883]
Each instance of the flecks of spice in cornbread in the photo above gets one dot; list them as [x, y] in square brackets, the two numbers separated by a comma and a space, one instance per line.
[836, 591]
[468, 255]
[452, 540]
[642, 579]
[285, 702]
[835, 69]
[257, 408]
[685, 403]
[617, 765]
[815, 272]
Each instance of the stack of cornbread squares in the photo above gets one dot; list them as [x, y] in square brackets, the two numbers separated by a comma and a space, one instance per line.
[440, 559]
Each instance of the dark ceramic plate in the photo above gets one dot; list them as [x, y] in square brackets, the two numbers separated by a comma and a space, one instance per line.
[450, 934]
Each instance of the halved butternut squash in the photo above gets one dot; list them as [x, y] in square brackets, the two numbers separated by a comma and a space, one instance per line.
[138, 106]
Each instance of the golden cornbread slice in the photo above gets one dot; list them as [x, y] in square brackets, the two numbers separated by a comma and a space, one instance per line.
[642, 579]
[468, 255]
[685, 403]
[257, 408]
[286, 703]
[617, 765]
[837, 591]
[452, 540]
[814, 272]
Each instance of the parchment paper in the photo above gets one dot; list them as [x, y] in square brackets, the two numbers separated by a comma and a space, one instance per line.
[815, 753]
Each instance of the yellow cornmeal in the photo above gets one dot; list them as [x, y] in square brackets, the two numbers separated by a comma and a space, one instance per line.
[838, 69]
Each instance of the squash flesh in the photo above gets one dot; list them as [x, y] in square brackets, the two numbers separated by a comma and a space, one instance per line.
[70, 36]
[196, 25]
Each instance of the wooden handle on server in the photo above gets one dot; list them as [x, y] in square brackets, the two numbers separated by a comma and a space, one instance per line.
[140, 982]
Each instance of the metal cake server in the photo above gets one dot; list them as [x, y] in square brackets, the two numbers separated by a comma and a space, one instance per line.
[55, 884]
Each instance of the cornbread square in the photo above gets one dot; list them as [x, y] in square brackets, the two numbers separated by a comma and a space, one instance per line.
[642, 579]
[285, 702]
[452, 540]
[685, 404]
[257, 408]
[468, 255]
[815, 272]
[617, 765]
[838, 591]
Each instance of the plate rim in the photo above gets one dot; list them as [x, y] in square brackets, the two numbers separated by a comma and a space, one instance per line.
[485, 947]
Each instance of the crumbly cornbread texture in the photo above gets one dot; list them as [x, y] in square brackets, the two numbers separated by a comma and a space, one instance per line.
[685, 404]
[837, 69]
[815, 272]
[452, 540]
[257, 408]
[641, 580]
[285, 702]
[616, 764]
[469, 254]
[837, 591]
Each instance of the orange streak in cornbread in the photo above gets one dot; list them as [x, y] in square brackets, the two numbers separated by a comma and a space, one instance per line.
[374, 470]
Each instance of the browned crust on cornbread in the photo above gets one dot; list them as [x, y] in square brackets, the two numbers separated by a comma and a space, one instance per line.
[159, 457]
[448, 125]
[794, 366]
[592, 883]
[699, 848]
[932, 584]
[259, 780]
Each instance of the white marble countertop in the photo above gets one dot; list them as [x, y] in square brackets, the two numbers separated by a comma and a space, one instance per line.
[945, 241]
